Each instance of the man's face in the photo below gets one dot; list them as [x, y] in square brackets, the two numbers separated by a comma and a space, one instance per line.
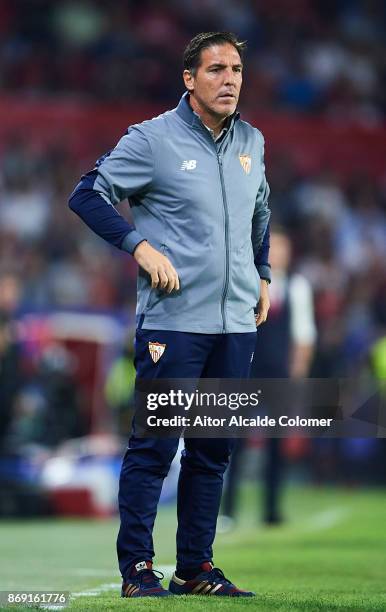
[279, 252]
[217, 81]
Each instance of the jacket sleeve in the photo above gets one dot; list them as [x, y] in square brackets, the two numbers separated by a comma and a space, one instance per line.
[260, 225]
[125, 171]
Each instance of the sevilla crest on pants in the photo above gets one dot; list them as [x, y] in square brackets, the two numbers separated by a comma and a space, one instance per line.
[156, 350]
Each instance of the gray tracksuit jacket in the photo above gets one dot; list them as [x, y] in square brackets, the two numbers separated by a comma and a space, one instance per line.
[202, 203]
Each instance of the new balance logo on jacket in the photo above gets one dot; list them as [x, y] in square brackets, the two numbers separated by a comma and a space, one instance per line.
[189, 164]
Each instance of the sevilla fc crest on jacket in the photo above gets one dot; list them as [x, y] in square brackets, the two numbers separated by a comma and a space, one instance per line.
[246, 162]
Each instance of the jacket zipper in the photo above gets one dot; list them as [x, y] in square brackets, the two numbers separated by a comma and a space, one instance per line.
[226, 228]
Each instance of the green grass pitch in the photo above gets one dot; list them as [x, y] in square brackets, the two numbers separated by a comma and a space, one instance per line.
[329, 555]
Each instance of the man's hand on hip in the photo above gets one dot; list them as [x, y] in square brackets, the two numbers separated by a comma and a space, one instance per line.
[163, 275]
[263, 305]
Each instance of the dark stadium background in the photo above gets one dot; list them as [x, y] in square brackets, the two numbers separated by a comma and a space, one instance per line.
[73, 76]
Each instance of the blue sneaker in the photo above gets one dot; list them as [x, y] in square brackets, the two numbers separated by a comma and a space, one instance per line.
[143, 581]
[211, 581]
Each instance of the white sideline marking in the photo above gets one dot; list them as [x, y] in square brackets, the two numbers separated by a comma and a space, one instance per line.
[102, 588]
[326, 519]
[108, 586]
[89, 571]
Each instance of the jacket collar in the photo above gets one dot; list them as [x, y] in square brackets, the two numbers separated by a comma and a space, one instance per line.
[185, 111]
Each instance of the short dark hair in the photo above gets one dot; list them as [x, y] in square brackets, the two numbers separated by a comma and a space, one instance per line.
[192, 53]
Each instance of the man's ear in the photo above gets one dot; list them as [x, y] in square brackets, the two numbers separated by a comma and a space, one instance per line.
[188, 80]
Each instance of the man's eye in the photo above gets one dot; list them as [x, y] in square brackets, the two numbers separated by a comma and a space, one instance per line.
[215, 69]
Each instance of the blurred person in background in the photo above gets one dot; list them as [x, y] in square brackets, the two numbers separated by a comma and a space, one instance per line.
[39, 403]
[195, 178]
[11, 378]
[120, 386]
[284, 349]
[10, 294]
[47, 407]
[20, 496]
[11, 370]
[377, 362]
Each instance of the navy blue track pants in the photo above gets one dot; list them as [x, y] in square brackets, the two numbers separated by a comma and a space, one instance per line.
[203, 461]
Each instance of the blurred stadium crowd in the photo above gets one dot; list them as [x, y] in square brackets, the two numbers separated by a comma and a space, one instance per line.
[309, 55]
[320, 58]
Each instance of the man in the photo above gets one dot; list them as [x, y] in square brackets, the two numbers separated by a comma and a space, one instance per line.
[291, 326]
[196, 183]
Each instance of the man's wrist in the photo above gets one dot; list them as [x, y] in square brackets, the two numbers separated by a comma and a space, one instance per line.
[131, 241]
[139, 243]
[264, 271]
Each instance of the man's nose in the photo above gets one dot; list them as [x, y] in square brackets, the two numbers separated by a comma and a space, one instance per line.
[229, 77]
